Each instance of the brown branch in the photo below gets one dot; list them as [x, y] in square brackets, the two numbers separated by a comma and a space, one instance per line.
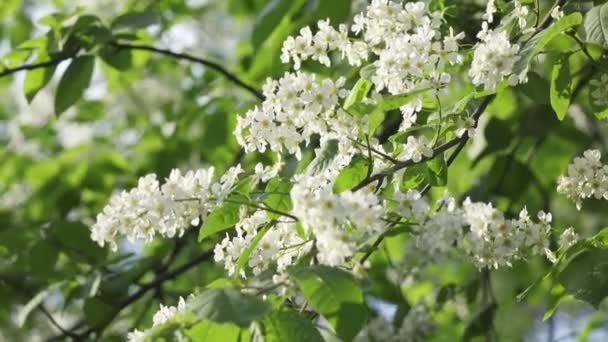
[213, 65]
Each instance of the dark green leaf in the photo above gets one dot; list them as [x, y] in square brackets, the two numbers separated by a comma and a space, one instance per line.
[336, 295]
[228, 305]
[586, 276]
[352, 175]
[480, 323]
[289, 326]
[537, 88]
[269, 19]
[98, 313]
[119, 59]
[337, 11]
[36, 79]
[136, 20]
[74, 82]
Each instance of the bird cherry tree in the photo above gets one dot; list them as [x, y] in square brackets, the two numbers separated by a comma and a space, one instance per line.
[441, 158]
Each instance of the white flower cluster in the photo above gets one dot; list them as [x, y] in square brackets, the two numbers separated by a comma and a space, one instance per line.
[407, 40]
[478, 229]
[599, 93]
[493, 241]
[318, 46]
[568, 238]
[339, 223]
[296, 107]
[587, 177]
[280, 244]
[167, 210]
[416, 148]
[163, 315]
[493, 59]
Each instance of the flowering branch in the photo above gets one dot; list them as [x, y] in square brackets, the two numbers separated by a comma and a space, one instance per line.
[436, 151]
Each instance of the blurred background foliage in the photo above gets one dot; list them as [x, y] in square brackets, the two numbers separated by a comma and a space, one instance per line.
[138, 112]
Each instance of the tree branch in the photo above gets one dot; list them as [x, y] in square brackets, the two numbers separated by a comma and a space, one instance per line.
[210, 64]
[436, 151]
[215, 66]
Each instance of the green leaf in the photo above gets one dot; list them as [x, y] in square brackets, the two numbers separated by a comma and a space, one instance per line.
[42, 258]
[74, 82]
[336, 295]
[558, 292]
[352, 175]
[246, 254]
[324, 157]
[561, 86]
[376, 118]
[595, 25]
[228, 305]
[536, 88]
[337, 11]
[136, 20]
[119, 59]
[288, 326]
[269, 19]
[98, 313]
[220, 219]
[602, 115]
[36, 79]
[437, 171]
[211, 331]
[414, 176]
[586, 276]
[480, 322]
[359, 92]
[397, 101]
[278, 196]
[535, 45]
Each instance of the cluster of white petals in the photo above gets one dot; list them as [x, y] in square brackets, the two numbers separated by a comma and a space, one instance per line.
[478, 229]
[568, 238]
[339, 223]
[279, 244]
[297, 106]
[493, 59]
[163, 315]
[409, 48]
[587, 177]
[167, 210]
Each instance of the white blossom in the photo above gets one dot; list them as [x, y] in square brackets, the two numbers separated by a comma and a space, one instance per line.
[493, 59]
[587, 177]
[167, 210]
[568, 238]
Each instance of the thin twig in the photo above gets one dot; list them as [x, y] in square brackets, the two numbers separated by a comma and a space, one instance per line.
[56, 324]
[213, 65]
